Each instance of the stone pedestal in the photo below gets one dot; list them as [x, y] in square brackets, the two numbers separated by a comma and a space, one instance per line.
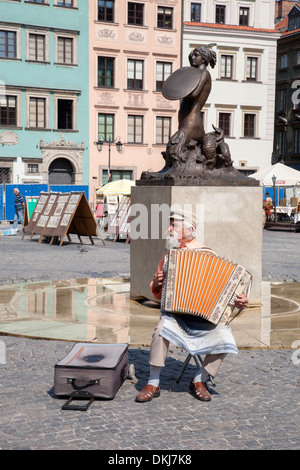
[229, 222]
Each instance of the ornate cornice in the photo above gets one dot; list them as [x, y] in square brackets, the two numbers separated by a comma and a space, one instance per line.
[62, 144]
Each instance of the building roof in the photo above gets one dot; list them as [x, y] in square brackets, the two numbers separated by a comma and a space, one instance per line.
[230, 27]
[282, 25]
[290, 33]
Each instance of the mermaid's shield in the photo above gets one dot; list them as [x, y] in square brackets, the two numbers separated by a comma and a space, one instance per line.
[181, 83]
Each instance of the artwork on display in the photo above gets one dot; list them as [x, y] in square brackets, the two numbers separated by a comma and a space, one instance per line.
[65, 220]
[43, 221]
[59, 208]
[48, 209]
[53, 222]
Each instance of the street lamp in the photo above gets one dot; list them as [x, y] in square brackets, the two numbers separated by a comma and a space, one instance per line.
[274, 192]
[110, 141]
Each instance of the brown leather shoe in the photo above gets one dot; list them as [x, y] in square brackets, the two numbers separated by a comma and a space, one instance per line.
[200, 391]
[147, 393]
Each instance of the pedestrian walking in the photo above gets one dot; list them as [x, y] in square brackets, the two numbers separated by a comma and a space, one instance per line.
[19, 208]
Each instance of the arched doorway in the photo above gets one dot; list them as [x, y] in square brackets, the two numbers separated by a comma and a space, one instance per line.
[61, 172]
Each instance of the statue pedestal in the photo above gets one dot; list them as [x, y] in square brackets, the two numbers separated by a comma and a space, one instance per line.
[229, 222]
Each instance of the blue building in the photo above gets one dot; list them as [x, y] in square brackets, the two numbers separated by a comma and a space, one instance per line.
[44, 92]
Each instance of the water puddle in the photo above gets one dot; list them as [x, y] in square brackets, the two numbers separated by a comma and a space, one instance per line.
[100, 310]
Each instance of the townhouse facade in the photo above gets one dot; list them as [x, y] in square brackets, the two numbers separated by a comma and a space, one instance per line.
[79, 77]
[241, 102]
[134, 47]
[44, 89]
[287, 107]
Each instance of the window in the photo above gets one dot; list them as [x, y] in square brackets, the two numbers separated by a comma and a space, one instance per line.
[5, 175]
[163, 71]
[135, 13]
[284, 61]
[37, 1]
[36, 49]
[220, 14]
[37, 112]
[135, 74]
[65, 3]
[65, 50]
[249, 125]
[244, 16]
[117, 175]
[106, 127]
[298, 58]
[8, 110]
[106, 10]
[196, 12]
[251, 69]
[106, 72]
[226, 66]
[281, 142]
[282, 100]
[8, 44]
[294, 22]
[135, 129]
[163, 130]
[165, 17]
[32, 168]
[297, 141]
[64, 114]
[224, 123]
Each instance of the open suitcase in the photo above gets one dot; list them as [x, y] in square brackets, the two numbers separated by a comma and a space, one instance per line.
[91, 371]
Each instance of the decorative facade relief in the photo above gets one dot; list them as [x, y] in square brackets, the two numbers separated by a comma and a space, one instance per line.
[165, 40]
[136, 37]
[136, 100]
[161, 102]
[106, 34]
[106, 97]
[9, 138]
[62, 149]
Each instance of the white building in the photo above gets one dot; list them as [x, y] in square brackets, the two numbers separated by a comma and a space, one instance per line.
[243, 89]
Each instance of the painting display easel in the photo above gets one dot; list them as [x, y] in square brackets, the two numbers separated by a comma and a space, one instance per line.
[119, 222]
[57, 215]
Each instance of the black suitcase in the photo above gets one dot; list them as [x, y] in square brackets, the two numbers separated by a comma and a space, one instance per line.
[91, 371]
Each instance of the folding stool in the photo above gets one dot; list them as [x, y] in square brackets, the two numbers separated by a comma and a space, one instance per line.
[199, 364]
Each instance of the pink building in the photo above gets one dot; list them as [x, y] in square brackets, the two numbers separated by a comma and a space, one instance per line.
[134, 46]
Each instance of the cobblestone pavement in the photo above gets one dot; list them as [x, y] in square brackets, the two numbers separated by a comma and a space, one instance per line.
[255, 404]
[26, 261]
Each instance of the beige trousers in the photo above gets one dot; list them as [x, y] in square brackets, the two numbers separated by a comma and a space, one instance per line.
[159, 350]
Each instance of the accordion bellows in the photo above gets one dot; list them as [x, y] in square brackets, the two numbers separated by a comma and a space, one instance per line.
[200, 283]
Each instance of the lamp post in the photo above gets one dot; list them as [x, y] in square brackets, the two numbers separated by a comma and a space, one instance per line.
[110, 141]
[274, 192]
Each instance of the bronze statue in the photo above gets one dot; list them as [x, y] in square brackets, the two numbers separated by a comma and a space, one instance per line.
[192, 156]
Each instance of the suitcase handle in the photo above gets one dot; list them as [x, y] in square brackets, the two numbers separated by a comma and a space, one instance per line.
[67, 405]
[86, 383]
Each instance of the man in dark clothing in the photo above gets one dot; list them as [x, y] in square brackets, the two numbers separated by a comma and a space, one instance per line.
[19, 208]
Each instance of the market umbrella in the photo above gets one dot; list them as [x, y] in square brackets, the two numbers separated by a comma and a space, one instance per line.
[285, 175]
[116, 187]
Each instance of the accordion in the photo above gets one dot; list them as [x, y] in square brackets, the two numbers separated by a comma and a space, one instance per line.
[202, 284]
